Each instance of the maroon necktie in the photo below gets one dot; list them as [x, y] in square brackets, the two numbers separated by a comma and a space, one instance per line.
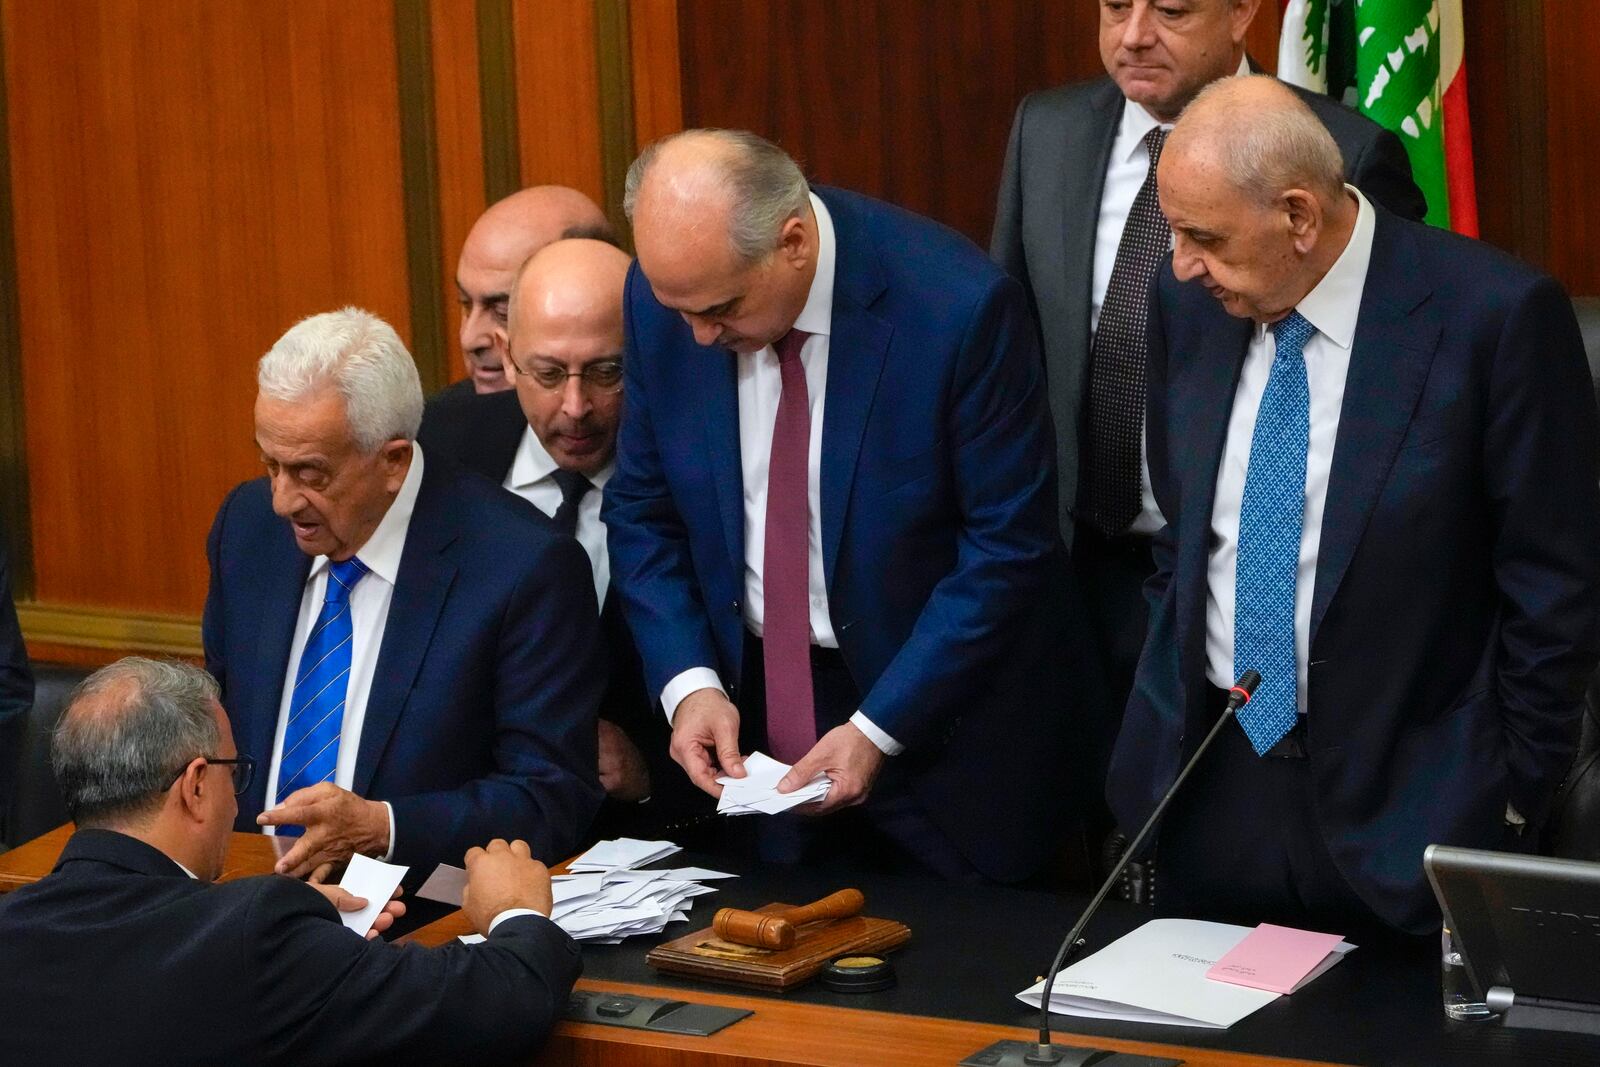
[785, 565]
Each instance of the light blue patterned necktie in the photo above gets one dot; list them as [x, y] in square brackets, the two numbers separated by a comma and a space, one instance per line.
[316, 710]
[1271, 515]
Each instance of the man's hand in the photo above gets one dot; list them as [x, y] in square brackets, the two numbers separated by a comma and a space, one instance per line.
[344, 901]
[622, 768]
[501, 877]
[705, 739]
[338, 824]
[847, 756]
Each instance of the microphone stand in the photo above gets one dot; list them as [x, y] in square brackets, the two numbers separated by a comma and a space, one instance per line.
[1045, 1053]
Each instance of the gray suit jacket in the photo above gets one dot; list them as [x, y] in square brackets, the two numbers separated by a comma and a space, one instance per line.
[1049, 205]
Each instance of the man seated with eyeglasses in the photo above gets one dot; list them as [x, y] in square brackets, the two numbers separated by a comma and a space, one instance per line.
[553, 442]
[126, 953]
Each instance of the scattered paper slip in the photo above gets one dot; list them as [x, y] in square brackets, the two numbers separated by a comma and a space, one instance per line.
[757, 792]
[446, 885]
[374, 880]
[1280, 959]
[1157, 974]
[605, 898]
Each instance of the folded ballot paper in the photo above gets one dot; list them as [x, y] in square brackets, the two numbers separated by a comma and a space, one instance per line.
[757, 792]
[1157, 974]
[605, 898]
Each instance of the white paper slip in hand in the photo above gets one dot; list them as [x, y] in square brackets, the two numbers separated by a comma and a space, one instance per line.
[446, 885]
[757, 792]
[374, 880]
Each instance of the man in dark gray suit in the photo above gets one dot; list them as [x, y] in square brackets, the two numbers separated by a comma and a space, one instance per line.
[1079, 226]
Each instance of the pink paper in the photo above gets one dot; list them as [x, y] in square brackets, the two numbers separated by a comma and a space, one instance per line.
[1274, 958]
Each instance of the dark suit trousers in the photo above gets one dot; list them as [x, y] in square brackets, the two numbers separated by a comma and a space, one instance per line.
[1241, 844]
[890, 832]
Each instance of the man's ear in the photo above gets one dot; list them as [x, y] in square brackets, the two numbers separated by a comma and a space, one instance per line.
[192, 786]
[1302, 213]
[794, 243]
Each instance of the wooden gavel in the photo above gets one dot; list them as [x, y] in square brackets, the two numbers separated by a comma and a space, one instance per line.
[775, 929]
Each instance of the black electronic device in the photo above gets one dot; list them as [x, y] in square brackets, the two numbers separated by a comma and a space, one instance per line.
[1046, 1054]
[650, 1013]
[1528, 928]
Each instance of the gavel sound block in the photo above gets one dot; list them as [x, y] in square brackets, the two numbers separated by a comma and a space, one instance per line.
[780, 945]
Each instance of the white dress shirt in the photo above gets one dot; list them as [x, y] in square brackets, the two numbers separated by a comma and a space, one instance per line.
[1332, 307]
[760, 386]
[369, 612]
[1125, 175]
[532, 478]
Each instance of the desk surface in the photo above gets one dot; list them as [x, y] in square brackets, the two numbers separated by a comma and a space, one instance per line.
[972, 948]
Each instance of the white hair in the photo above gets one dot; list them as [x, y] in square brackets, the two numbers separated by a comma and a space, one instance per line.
[766, 185]
[363, 358]
[1267, 150]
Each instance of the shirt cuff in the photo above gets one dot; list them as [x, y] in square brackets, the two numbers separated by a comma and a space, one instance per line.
[886, 744]
[390, 809]
[686, 683]
[513, 913]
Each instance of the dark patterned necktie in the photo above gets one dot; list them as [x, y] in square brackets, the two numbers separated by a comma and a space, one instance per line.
[1116, 367]
[573, 487]
[786, 565]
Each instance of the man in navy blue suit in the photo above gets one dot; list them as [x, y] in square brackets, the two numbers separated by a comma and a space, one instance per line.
[832, 518]
[1375, 447]
[412, 655]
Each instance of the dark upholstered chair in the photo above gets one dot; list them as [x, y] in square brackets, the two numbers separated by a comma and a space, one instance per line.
[33, 804]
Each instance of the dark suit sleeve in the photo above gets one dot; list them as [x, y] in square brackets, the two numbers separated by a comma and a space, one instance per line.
[1383, 172]
[1005, 243]
[211, 622]
[1003, 470]
[651, 567]
[1156, 423]
[326, 995]
[1539, 458]
[547, 689]
[16, 678]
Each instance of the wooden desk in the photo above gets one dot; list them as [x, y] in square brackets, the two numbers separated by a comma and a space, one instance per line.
[247, 854]
[790, 1034]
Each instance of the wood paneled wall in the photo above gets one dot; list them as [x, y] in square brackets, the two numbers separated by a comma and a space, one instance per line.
[187, 178]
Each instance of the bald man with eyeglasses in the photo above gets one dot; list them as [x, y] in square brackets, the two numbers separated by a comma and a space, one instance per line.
[552, 440]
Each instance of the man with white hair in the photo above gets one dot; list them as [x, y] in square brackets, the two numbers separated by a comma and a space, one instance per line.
[412, 654]
[1375, 447]
[832, 522]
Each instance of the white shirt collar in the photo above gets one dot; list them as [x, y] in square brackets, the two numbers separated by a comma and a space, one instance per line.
[1334, 304]
[184, 869]
[381, 554]
[817, 316]
[533, 464]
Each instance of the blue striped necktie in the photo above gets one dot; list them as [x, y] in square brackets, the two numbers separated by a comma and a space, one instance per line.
[1271, 515]
[316, 710]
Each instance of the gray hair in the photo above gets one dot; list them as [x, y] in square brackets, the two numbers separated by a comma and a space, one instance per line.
[1270, 149]
[766, 186]
[128, 729]
[364, 359]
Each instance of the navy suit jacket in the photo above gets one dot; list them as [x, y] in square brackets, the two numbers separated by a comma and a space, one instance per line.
[1454, 619]
[119, 957]
[938, 518]
[481, 718]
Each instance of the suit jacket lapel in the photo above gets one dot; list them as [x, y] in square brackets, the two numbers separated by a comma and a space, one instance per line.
[720, 388]
[421, 588]
[857, 348]
[1081, 180]
[283, 586]
[1396, 336]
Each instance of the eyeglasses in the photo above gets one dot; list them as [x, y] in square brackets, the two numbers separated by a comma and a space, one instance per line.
[604, 376]
[243, 769]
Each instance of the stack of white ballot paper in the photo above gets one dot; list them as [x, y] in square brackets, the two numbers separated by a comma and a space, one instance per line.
[1157, 974]
[605, 898]
[757, 792]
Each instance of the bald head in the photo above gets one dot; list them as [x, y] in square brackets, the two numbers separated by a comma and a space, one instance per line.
[1252, 185]
[725, 234]
[498, 244]
[565, 350]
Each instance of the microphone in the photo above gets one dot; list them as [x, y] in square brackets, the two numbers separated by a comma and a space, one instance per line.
[1045, 1053]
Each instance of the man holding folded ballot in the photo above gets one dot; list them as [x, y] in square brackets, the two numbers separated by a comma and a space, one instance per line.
[126, 953]
[1375, 446]
[412, 653]
[832, 521]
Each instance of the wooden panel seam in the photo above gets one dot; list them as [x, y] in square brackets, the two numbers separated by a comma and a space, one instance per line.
[497, 95]
[15, 514]
[419, 178]
[614, 62]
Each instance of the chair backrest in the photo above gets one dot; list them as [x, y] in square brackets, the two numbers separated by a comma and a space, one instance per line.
[1574, 828]
[35, 804]
[1588, 312]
